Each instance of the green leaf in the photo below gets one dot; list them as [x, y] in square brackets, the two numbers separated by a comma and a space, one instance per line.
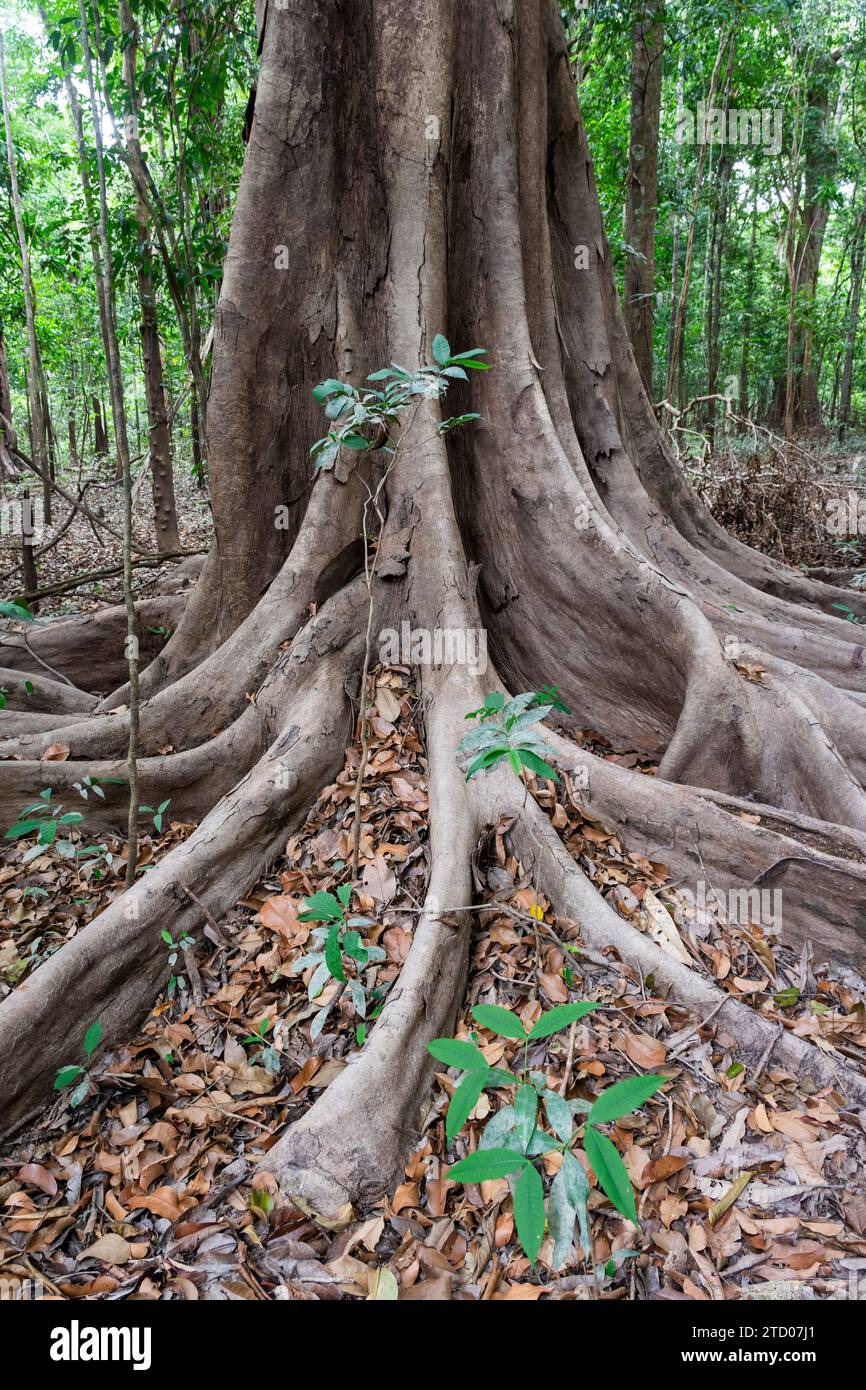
[19, 611]
[328, 388]
[525, 1111]
[92, 1038]
[487, 759]
[529, 1211]
[558, 1115]
[536, 764]
[322, 907]
[21, 827]
[624, 1097]
[441, 349]
[352, 947]
[456, 1053]
[569, 1194]
[65, 1077]
[486, 1164]
[333, 954]
[610, 1171]
[344, 893]
[560, 1017]
[463, 1101]
[80, 1092]
[501, 1021]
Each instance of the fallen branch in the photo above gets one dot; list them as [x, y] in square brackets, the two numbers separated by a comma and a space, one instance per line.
[145, 561]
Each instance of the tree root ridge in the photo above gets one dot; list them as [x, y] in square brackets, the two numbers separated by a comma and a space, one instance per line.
[113, 969]
[601, 927]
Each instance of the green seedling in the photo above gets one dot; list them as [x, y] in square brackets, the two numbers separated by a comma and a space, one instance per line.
[78, 1076]
[157, 814]
[183, 942]
[513, 1138]
[507, 733]
[45, 818]
[269, 1056]
[339, 949]
[364, 419]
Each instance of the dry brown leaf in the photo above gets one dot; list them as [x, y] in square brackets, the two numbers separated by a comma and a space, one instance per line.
[113, 1249]
[35, 1174]
[644, 1050]
[56, 753]
[379, 880]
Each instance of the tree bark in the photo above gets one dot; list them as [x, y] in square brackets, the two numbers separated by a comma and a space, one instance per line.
[857, 250]
[100, 436]
[38, 440]
[680, 315]
[8, 438]
[642, 186]
[158, 434]
[743, 402]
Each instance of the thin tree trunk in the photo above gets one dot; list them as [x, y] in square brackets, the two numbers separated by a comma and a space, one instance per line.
[680, 319]
[37, 419]
[197, 470]
[184, 303]
[8, 438]
[747, 318]
[115, 377]
[159, 441]
[29, 575]
[714, 306]
[857, 251]
[642, 188]
[122, 445]
[92, 220]
[100, 436]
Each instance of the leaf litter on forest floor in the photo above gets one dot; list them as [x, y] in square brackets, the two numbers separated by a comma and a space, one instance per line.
[178, 1108]
[150, 1189]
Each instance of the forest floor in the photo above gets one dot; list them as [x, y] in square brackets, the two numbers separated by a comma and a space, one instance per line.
[86, 546]
[148, 1186]
[778, 497]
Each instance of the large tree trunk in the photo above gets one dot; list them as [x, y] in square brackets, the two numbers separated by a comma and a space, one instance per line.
[450, 197]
